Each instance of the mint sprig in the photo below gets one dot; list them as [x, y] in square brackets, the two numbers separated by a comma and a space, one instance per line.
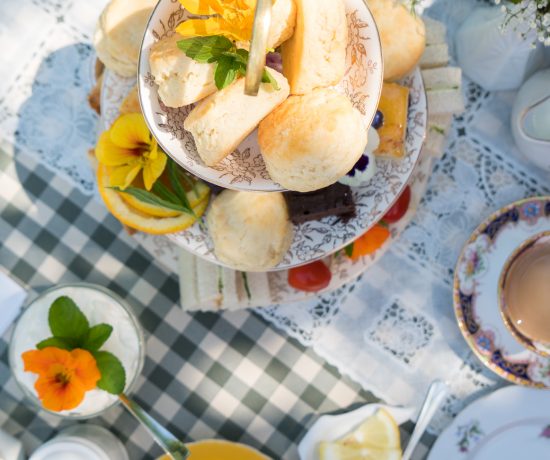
[71, 330]
[230, 61]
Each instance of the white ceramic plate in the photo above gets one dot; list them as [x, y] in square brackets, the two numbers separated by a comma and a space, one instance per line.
[245, 168]
[333, 427]
[476, 292]
[510, 424]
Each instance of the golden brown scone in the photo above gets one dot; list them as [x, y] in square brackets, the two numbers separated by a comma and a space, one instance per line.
[251, 231]
[131, 104]
[224, 119]
[311, 141]
[403, 37]
[315, 56]
[181, 80]
[119, 33]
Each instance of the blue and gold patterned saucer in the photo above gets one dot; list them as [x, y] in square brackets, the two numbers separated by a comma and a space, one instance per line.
[476, 292]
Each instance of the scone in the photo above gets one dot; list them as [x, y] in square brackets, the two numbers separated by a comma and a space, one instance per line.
[251, 231]
[403, 37]
[131, 104]
[119, 33]
[309, 142]
[182, 80]
[315, 56]
[223, 120]
[283, 21]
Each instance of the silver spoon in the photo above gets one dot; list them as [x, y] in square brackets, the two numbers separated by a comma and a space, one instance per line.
[258, 45]
[173, 447]
[436, 395]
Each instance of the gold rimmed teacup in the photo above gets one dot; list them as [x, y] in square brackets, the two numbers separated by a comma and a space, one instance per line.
[524, 293]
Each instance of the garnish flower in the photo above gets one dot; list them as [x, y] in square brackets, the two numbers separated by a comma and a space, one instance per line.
[231, 18]
[129, 148]
[64, 376]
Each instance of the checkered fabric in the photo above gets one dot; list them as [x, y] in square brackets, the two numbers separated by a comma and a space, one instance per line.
[206, 375]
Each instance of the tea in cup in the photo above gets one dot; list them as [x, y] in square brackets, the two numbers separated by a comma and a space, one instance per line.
[524, 293]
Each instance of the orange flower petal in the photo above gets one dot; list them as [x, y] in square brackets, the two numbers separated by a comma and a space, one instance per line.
[198, 6]
[40, 361]
[86, 371]
[58, 397]
[212, 26]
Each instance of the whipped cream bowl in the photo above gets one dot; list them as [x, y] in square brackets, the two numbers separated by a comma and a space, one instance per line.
[100, 306]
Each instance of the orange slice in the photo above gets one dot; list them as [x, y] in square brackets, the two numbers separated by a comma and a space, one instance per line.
[140, 220]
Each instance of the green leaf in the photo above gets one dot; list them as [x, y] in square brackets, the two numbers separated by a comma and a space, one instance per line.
[226, 72]
[190, 182]
[165, 193]
[151, 198]
[349, 250]
[178, 188]
[113, 375]
[97, 336]
[205, 49]
[57, 342]
[268, 78]
[67, 321]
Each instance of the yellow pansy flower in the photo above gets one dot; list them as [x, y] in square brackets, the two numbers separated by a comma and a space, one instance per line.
[231, 18]
[129, 148]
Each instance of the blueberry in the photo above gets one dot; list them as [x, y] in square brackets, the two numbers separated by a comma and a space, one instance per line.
[378, 121]
[361, 165]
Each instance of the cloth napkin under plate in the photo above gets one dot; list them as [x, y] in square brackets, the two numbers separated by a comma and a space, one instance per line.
[12, 297]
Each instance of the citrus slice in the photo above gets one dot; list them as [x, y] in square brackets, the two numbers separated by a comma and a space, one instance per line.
[139, 220]
[379, 431]
[195, 198]
[335, 451]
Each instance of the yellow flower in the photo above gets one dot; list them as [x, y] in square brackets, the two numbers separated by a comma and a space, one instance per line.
[231, 18]
[129, 148]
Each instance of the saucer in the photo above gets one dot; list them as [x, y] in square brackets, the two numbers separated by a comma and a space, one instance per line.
[509, 424]
[476, 292]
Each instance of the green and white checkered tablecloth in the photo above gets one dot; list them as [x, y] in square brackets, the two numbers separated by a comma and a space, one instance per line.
[226, 375]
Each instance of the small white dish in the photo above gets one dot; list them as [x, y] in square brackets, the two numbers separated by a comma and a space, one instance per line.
[509, 424]
[333, 427]
[531, 119]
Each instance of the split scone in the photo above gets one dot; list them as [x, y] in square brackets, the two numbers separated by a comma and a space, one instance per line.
[224, 119]
[181, 80]
[309, 142]
[119, 33]
[402, 34]
[251, 231]
[315, 56]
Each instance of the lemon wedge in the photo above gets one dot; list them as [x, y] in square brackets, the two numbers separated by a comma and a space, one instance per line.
[336, 451]
[379, 431]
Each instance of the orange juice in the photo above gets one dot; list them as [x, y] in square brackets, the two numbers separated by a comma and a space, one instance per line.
[221, 450]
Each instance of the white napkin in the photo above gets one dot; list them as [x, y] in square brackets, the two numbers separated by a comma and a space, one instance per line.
[10, 448]
[12, 296]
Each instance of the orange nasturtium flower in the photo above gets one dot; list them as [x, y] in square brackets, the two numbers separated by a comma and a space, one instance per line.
[129, 148]
[231, 18]
[370, 242]
[64, 376]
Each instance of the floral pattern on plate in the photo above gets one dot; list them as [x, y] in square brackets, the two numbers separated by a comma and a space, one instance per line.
[475, 291]
[245, 169]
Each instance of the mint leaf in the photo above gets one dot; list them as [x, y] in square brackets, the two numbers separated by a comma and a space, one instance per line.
[226, 71]
[268, 78]
[349, 250]
[67, 321]
[205, 49]
[57, 342]
[178, 188]
[113, 375]
[151, 198]
[97, 336]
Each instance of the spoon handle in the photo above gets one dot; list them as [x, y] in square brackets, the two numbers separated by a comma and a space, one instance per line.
[436, 395]
[174, 448]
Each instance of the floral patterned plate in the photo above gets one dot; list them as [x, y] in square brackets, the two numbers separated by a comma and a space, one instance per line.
[314, 240]
[476, 292]
[509, 424]
[245, 169]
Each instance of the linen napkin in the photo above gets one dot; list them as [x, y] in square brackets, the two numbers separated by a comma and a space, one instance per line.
[12, 297]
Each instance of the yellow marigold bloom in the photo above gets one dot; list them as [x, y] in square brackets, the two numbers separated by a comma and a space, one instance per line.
[231, 18]
[129, 148]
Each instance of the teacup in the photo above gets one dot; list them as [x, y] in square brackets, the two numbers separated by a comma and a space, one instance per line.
[524, 293]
